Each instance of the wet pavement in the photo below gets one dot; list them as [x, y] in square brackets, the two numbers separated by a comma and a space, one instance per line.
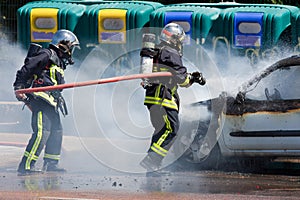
[176, 183]
[96, 181]
[206, 182]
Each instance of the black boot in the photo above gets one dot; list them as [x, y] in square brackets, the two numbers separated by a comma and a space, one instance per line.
[26, 172]
[152, 163]
[52, 166]
[149, 164]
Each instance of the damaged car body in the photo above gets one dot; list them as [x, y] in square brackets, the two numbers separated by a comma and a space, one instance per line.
[262, 121]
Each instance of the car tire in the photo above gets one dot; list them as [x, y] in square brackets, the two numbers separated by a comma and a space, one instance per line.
[201, 155]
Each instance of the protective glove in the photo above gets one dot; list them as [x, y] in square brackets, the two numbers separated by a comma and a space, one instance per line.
[197, 77]
[20, 96]
[61, 104]
[145, 84]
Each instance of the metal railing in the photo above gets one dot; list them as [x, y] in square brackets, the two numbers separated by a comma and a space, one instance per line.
[8, 18]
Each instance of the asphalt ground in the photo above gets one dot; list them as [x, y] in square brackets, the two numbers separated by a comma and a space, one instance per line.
[97, 181]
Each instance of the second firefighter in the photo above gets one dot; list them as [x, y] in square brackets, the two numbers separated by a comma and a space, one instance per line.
[161, 97]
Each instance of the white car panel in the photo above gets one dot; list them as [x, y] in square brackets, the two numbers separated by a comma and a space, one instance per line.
[259, 131]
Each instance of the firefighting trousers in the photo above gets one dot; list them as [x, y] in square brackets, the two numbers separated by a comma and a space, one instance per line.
[166, 124]
[47, 132]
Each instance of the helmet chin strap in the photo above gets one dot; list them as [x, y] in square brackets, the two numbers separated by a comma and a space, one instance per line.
[66, 54]
[70, 61]
[177, 46]
[67, 61]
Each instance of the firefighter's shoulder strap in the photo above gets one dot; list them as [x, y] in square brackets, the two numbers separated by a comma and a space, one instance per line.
[158, 50]
[54, 58]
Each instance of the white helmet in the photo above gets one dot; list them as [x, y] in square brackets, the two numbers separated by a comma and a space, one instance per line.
[65, 42]
[173, 34]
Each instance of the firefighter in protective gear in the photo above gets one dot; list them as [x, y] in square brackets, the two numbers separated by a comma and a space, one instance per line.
[161, 98]
[45, 67]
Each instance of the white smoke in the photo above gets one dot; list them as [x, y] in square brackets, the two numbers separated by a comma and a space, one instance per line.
[108, 123]
[12, 58]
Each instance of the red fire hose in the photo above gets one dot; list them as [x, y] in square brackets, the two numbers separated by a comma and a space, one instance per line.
[94, 82]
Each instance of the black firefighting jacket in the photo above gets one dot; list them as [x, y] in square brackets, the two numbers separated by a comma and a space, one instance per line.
[163, 90]
[42, 69]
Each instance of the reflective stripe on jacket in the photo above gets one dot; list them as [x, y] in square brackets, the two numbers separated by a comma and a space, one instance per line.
[40, 70]
[160, 97]
[54, 75]
[163, 90]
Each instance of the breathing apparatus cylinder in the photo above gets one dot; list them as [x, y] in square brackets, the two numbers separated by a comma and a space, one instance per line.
[147, 53]
[33, 49]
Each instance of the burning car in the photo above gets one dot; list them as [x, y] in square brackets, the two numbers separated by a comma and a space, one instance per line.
[261, 121]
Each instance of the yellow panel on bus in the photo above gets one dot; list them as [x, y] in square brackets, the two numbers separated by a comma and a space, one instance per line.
[112, 26]
[43, 24]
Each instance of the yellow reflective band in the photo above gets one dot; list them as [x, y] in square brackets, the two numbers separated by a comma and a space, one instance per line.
[158, 101]
[37, 141]
[163, 69]
[50, 99]
[53, 70]
[159, 150]
[170, 103]
[173, 90]
[58, 69]
[169, 130]
[34, 157]
[155, 68]
[53, 76]
[157, 91]
[51, 156]
[186, 81]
